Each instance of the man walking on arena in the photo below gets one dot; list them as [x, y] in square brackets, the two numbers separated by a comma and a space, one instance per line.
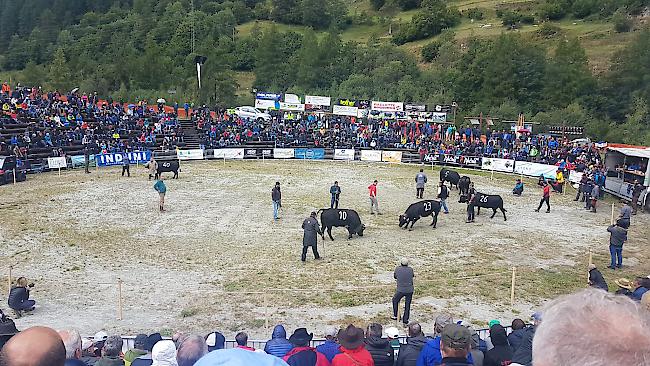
[420, 181]
[546, 196]
[443, 194]
[335, 191]
[310, 236]
[404, 277]
[618, 236]
[126, 164]
[374, 204]
[161, 189]
[276, 196]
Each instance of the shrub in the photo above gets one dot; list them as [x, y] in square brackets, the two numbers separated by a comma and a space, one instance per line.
[622, 22]
[548, 30]
[430, 51]
[474, 13]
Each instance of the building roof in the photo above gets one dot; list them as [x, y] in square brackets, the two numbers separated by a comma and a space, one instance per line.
[630, 151]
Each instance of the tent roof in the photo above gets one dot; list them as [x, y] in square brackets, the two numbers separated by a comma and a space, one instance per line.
[629, 151]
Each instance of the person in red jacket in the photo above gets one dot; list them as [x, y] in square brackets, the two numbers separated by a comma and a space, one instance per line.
[546, 196]
[374, 204]
[302, 354]
[352, 347]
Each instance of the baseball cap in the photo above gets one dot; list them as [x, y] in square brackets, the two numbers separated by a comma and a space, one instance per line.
[537, 316]
[443, 319]
[331, 331]
[392, 332]
[100, 336]
[456, 336]
[493, 322]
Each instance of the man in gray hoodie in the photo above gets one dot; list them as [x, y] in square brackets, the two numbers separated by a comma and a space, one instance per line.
[420, 181]
[404, 277]
[618, 236]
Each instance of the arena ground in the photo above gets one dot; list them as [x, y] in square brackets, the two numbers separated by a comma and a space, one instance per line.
[204, 264]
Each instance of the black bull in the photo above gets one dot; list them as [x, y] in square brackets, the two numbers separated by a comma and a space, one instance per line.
[486, 201]
[450, 176]
[418, 210]
[166, 166]
[335, 217]
[463, 184]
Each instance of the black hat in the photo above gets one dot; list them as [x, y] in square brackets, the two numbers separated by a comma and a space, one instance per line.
[140, 341]
[300, 337]
[152, 340]
[351, 337]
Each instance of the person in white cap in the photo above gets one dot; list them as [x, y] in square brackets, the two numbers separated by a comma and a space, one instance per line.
[404, 277]
[331, 347]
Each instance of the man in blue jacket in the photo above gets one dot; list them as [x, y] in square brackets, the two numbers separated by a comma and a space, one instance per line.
[431, 355]
[278, 345]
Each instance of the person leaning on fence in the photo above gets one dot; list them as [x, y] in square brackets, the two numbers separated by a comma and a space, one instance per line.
[330, 347]
[111, 352]
[162, 190]
[501, 353]
[139, 349]
[403, 275]
[276, 197]
[278, 345]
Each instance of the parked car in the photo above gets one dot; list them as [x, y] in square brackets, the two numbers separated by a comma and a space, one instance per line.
[252, 113]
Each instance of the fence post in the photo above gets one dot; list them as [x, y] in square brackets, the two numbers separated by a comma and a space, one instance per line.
[611, 221]
[492, 174]
[9, 279]
[266, 312]
[591, 258]
[119, 299]
[512, 286]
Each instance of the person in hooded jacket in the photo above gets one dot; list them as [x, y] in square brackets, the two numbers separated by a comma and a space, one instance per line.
[303, 354]
[278, 345]
[501, 353]
[330, 348]
[518, 332]
[409, 352]
[380, 349]
[431, 354]
[164, 354]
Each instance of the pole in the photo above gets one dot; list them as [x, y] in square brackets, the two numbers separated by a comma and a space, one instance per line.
[591, 257]
[612, 219]
[266, 312]
[14, 175]
[492, 175]
[119, 299]
[512, 286]
[59, 171]
[9, 279]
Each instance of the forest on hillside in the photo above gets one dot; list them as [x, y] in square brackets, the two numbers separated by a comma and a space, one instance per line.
[145, 49]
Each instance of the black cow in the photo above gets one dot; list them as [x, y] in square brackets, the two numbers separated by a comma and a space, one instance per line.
[450, 176]
[486, 201]
[166, 166]
[463, 184]
[340, 217]
[418, 210]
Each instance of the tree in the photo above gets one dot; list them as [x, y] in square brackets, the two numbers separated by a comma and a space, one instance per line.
[377, 4]
[429, 21]
[568, 77]
[59, 74]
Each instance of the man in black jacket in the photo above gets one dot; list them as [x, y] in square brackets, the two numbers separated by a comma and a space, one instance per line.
[409, 352]
[276, 197]
[501, 353]
[404, 277]
[380, 349]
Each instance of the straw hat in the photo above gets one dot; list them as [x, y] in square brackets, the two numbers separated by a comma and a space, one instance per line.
[624, 283]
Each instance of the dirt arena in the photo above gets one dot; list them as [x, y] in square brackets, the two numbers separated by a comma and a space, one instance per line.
[209, 261]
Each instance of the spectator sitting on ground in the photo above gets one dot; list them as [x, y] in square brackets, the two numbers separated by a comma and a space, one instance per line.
[139, 349]
[501, 353]
[455, 345]
[36, 346]
[353, 353]
[586, 328]
[164, 354]
[111, 352]
[146, 360]
[330, 348]
[278, 345]
[190, 349]
[519, 188]
[303, 354]
[431, 355]
[518, 331]
[409, 352]
[242, 340]
[72, 342]
[380, 349]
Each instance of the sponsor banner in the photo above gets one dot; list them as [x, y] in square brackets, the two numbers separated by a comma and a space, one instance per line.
[80, 161]
[135, 157]
[438, 117]
[311, 154]
[56, 162]
[470, 160]
[316, 100]
[346, 102]
[574, 177]
[535, 169]
[500, 165]
[236, 153]
[362, 113]
[283, 153]
[415, 108]
[343, 154]
[268, 96]
[267, 104]
[316, 108]
[292, 99]
[371, 155]
[342, 110]
[391, 156]
[387, 106]
[292, 107]
[267, 153]
[250, 153]
[193, 154]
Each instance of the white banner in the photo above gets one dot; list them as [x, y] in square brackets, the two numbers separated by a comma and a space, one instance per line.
[391, 156]
[387, 106]
[292, 107]
[194, 154]
[574, 177]
[343, 154]
[344, 110]
[2, 161]
[57, 162]
[371, 155]
[535, 169]
[283, 153]
[316, 100]
[291, 98]
[229, 153]
[500, 165]
[265, 104]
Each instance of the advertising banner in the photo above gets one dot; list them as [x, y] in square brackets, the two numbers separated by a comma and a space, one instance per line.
[292, 107]
[267, 153]
[250, 153]
[135, 157]
[291, 99]
[80, 161]
[387, 106]
[346, 102]
[56, 162]
[535, 169]
[371, 155]
[438, 117]
[283, 153]
[316, 108]
[312, 154]
[343, 154]
[232, 153]
[268, 96]
[267, 104]
[317, 100]
[471, 161]
[500, 165]
[193, 154]
[391, 156]
[415, 108]
[343, 110]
